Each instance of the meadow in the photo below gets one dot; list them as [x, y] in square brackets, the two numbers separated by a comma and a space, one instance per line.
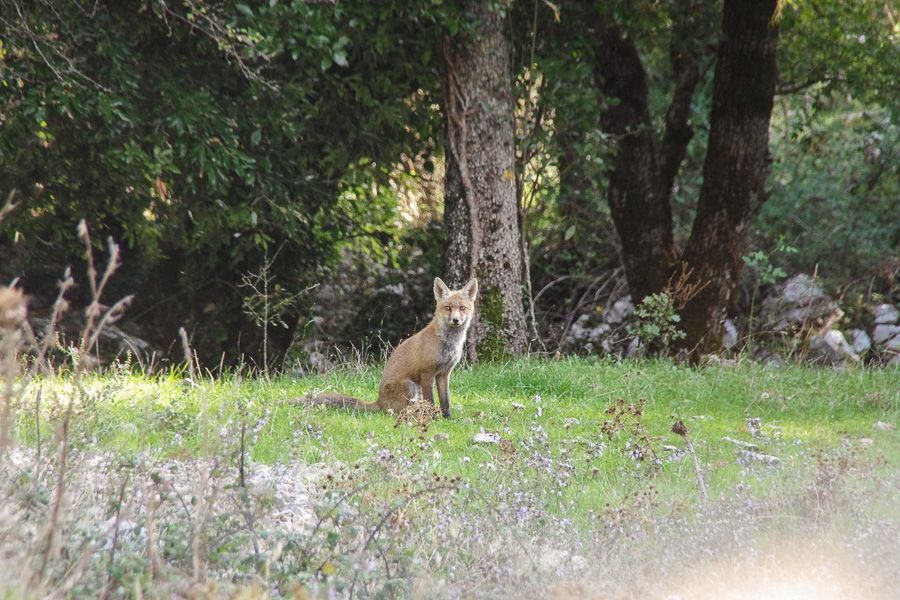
[554, 478]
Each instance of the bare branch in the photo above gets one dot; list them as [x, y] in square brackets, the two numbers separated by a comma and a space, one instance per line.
[9, 205]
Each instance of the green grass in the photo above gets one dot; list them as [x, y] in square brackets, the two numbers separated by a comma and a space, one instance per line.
[804, 411]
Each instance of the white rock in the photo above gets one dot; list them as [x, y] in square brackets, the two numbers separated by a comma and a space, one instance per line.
[883, 333]
[801, 289]
[634, 348]
[893, 344]
[886, 314]
[751, 456]
[486, 437]
[741, 444]
[860, 340]
[882, 426]
[619, 311]
[730, 334]
[800, 303]
[831, 348]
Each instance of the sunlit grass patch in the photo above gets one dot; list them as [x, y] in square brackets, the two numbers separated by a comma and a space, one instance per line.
[800, 410]
[551, 473]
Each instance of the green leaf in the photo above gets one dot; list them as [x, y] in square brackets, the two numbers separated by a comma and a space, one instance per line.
[244, 10]
[256, 137]
[569, 233]
[340, 58]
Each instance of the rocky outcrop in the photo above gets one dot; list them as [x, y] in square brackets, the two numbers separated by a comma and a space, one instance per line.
[886, 333]
[831, 348]
[860, 341]
[605, 332]
[800, 307]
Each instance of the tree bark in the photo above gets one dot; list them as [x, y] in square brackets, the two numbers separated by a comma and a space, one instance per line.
[644, 170]
[480, 204]
[640, 208]
[736, 165]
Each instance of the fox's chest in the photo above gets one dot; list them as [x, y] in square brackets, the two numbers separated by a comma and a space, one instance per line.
[450, 352]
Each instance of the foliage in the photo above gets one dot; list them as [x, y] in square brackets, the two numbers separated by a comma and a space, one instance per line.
[657, 324]
[766, 271]
[836, 190]
[288, 136]
[202, 165]
[842, 47]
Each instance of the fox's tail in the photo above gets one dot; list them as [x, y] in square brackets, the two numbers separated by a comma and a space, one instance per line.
[338, 400]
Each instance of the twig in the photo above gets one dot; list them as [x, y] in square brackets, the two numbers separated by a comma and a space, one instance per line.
[9, 205]
[393, 510]
[89, 336]
[186, 348]
[152, 533]
[679, 429]
[115, 540]
[610, 278]
[241, 481]
[37, 433]
[251, 526]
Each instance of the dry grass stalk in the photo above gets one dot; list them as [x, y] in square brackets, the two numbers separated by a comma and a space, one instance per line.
[13, 311]
[9, 205]
[188, 356]
[96, 320]
[683, 286]
[40, 348]
[679, 429]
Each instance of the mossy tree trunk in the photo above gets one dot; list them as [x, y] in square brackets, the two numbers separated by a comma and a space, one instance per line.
[482, 236]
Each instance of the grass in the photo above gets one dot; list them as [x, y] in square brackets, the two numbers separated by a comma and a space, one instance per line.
[802, 410]
[603, 494]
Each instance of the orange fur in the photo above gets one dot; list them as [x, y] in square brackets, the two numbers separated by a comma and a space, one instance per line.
[425, 359]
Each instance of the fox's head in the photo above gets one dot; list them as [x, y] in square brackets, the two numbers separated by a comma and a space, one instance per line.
[455, 307]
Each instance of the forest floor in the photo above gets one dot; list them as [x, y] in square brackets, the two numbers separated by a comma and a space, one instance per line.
[554, 478]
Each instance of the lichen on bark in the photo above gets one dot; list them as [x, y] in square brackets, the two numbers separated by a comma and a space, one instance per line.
[492, 344]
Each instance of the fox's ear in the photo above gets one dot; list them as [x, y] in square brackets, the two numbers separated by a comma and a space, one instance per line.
[440, 289]
[471, 289]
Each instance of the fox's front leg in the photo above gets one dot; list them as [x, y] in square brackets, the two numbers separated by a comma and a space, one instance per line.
[443, 389]
[427, 383]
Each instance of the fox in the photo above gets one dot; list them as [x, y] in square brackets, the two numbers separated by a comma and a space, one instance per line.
[422, 360]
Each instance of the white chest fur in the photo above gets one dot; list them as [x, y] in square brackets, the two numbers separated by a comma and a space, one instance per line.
[452, 343]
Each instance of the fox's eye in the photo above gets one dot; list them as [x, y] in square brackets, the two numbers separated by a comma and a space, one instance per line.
[462, 309]
[447, 308]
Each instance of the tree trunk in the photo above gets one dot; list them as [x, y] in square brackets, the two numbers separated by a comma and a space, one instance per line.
[644, 170]
[480, 205]
[640, 208]
[736, 166]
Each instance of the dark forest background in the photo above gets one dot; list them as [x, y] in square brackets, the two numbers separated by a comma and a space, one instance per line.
[285, 178]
